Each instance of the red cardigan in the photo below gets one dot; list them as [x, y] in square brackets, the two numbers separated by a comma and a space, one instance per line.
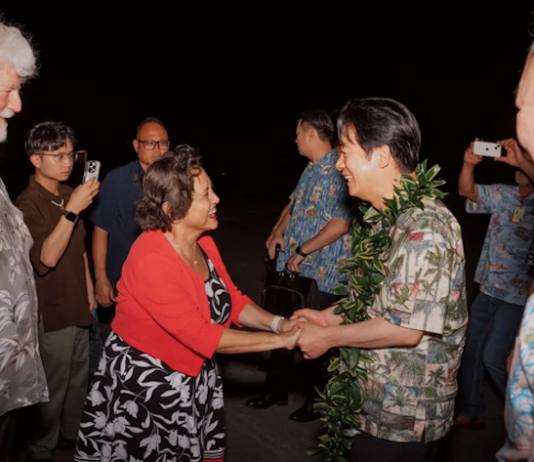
[162, 306]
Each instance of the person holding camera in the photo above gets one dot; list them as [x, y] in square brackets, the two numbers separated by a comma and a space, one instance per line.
[503, 274]
[64, 286]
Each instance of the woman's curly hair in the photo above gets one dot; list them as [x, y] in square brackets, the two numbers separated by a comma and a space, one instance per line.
[169, 180]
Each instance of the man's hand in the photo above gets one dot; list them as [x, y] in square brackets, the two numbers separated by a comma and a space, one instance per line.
[274, 239]
[291, 336]
[323, 318]
[293, 264]
[470, 157]
[104, 292]
[311, 341]
[82, 196]
[514, 154]
[286, 325]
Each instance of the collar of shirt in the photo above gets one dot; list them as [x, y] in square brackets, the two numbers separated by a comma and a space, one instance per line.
[43, 192]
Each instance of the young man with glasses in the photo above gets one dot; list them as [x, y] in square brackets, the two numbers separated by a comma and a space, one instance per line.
[64, 287]
[116, 227]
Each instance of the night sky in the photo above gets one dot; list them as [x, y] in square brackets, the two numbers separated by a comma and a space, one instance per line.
[232, 78]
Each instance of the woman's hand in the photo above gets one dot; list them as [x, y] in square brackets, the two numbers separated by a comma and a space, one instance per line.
[286, 325]
[290, 337]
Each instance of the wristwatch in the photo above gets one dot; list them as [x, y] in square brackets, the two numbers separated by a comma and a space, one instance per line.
[71, 216]
[300, 252]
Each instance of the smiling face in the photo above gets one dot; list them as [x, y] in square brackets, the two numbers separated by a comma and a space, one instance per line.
[50, 167]
[525, 106]
[361, 171]
[202, 215]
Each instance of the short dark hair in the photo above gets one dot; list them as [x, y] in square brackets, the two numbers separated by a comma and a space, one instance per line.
[170, 179]
[48, 136]
[319, 120]
[383, 122]
[148, 120]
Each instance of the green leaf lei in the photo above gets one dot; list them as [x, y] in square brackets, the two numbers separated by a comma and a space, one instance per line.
[340, 403]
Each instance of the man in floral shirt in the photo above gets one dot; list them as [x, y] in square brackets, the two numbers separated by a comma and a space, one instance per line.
[22, 379]
[519, 410]
[415, 334]
[503, 274]
[313, 232]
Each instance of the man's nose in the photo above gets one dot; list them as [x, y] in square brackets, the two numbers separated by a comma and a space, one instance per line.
[15, 103]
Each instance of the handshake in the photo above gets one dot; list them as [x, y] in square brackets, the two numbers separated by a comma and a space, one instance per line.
[309, 330]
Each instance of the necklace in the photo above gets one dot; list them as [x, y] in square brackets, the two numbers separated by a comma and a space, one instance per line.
[58, 205]
[179, 252]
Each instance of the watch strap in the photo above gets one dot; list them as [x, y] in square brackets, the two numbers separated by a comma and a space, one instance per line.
[300, 252]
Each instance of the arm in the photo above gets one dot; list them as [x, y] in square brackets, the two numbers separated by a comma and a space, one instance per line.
[254, 316]
[104, 292]
[466, 182]
[277, 233]
[89, 283]
[376, 333]
[515, 157]
[335, 228]
[234, 341]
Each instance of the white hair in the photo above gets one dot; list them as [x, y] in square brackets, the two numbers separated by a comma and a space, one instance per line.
[16, 49]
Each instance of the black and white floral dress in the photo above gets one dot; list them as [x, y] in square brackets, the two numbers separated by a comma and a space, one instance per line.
[139, 409]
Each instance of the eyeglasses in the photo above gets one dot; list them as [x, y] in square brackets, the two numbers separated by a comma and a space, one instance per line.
[62, 158]
[151, 144]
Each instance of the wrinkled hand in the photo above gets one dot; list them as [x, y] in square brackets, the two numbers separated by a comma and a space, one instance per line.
[104, 292]
[470, 157]
[514, 154]
[311, 340]
[293, 264]
[82, 196]
[274, 239]
[290, 337]
[323, 318]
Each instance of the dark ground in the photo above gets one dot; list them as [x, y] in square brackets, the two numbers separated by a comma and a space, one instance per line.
[268, 435]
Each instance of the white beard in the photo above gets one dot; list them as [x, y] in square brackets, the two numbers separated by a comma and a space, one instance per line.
[5, 114]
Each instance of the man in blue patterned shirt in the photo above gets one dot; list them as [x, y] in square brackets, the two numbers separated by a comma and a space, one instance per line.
[313, 232]
[503, 274]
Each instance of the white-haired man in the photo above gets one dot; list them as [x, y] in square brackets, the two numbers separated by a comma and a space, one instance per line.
[22, 379]
[519, 414]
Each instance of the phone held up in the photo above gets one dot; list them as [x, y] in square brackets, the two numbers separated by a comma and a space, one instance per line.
[482, 148]
[91, 170]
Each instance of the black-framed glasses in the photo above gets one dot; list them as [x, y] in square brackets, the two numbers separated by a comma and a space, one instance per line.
[151, 144]
[62, 158]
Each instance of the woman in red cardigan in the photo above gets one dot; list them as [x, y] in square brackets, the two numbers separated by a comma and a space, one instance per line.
[157, 394]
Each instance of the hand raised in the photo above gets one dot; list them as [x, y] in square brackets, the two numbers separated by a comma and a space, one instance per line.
[514, 154]
[470, 157]
[82, 196]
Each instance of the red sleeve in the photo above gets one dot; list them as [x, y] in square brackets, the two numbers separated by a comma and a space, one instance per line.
[238, 299]
[167, 294]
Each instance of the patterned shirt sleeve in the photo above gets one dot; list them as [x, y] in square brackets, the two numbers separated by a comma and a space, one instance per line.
[488, 198]
[419, 283]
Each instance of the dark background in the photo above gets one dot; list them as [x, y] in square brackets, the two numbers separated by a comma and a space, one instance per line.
[231, 78]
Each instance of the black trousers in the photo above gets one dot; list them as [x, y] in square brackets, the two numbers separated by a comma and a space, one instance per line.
[367, 448]
[12, 445]
[313, 372]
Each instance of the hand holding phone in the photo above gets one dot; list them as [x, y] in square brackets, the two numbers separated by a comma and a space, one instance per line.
[483, 148]
[91, 170]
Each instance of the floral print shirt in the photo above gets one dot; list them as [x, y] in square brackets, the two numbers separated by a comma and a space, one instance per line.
[320, 195]
[22, 379]
[410, 391]
[519, 408]
[503, 270]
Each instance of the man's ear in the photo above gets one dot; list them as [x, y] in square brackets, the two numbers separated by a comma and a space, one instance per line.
[36, 160]
[383, 156]
[136, 145]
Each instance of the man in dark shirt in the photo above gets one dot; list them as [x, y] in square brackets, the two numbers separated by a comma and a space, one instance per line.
[64, 287]
[116, 227]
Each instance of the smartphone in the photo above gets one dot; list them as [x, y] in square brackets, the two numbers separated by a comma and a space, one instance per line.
[481, 148]
[91, 170]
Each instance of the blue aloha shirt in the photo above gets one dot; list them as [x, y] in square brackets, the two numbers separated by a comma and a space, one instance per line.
[503, 271]
[320, 196]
